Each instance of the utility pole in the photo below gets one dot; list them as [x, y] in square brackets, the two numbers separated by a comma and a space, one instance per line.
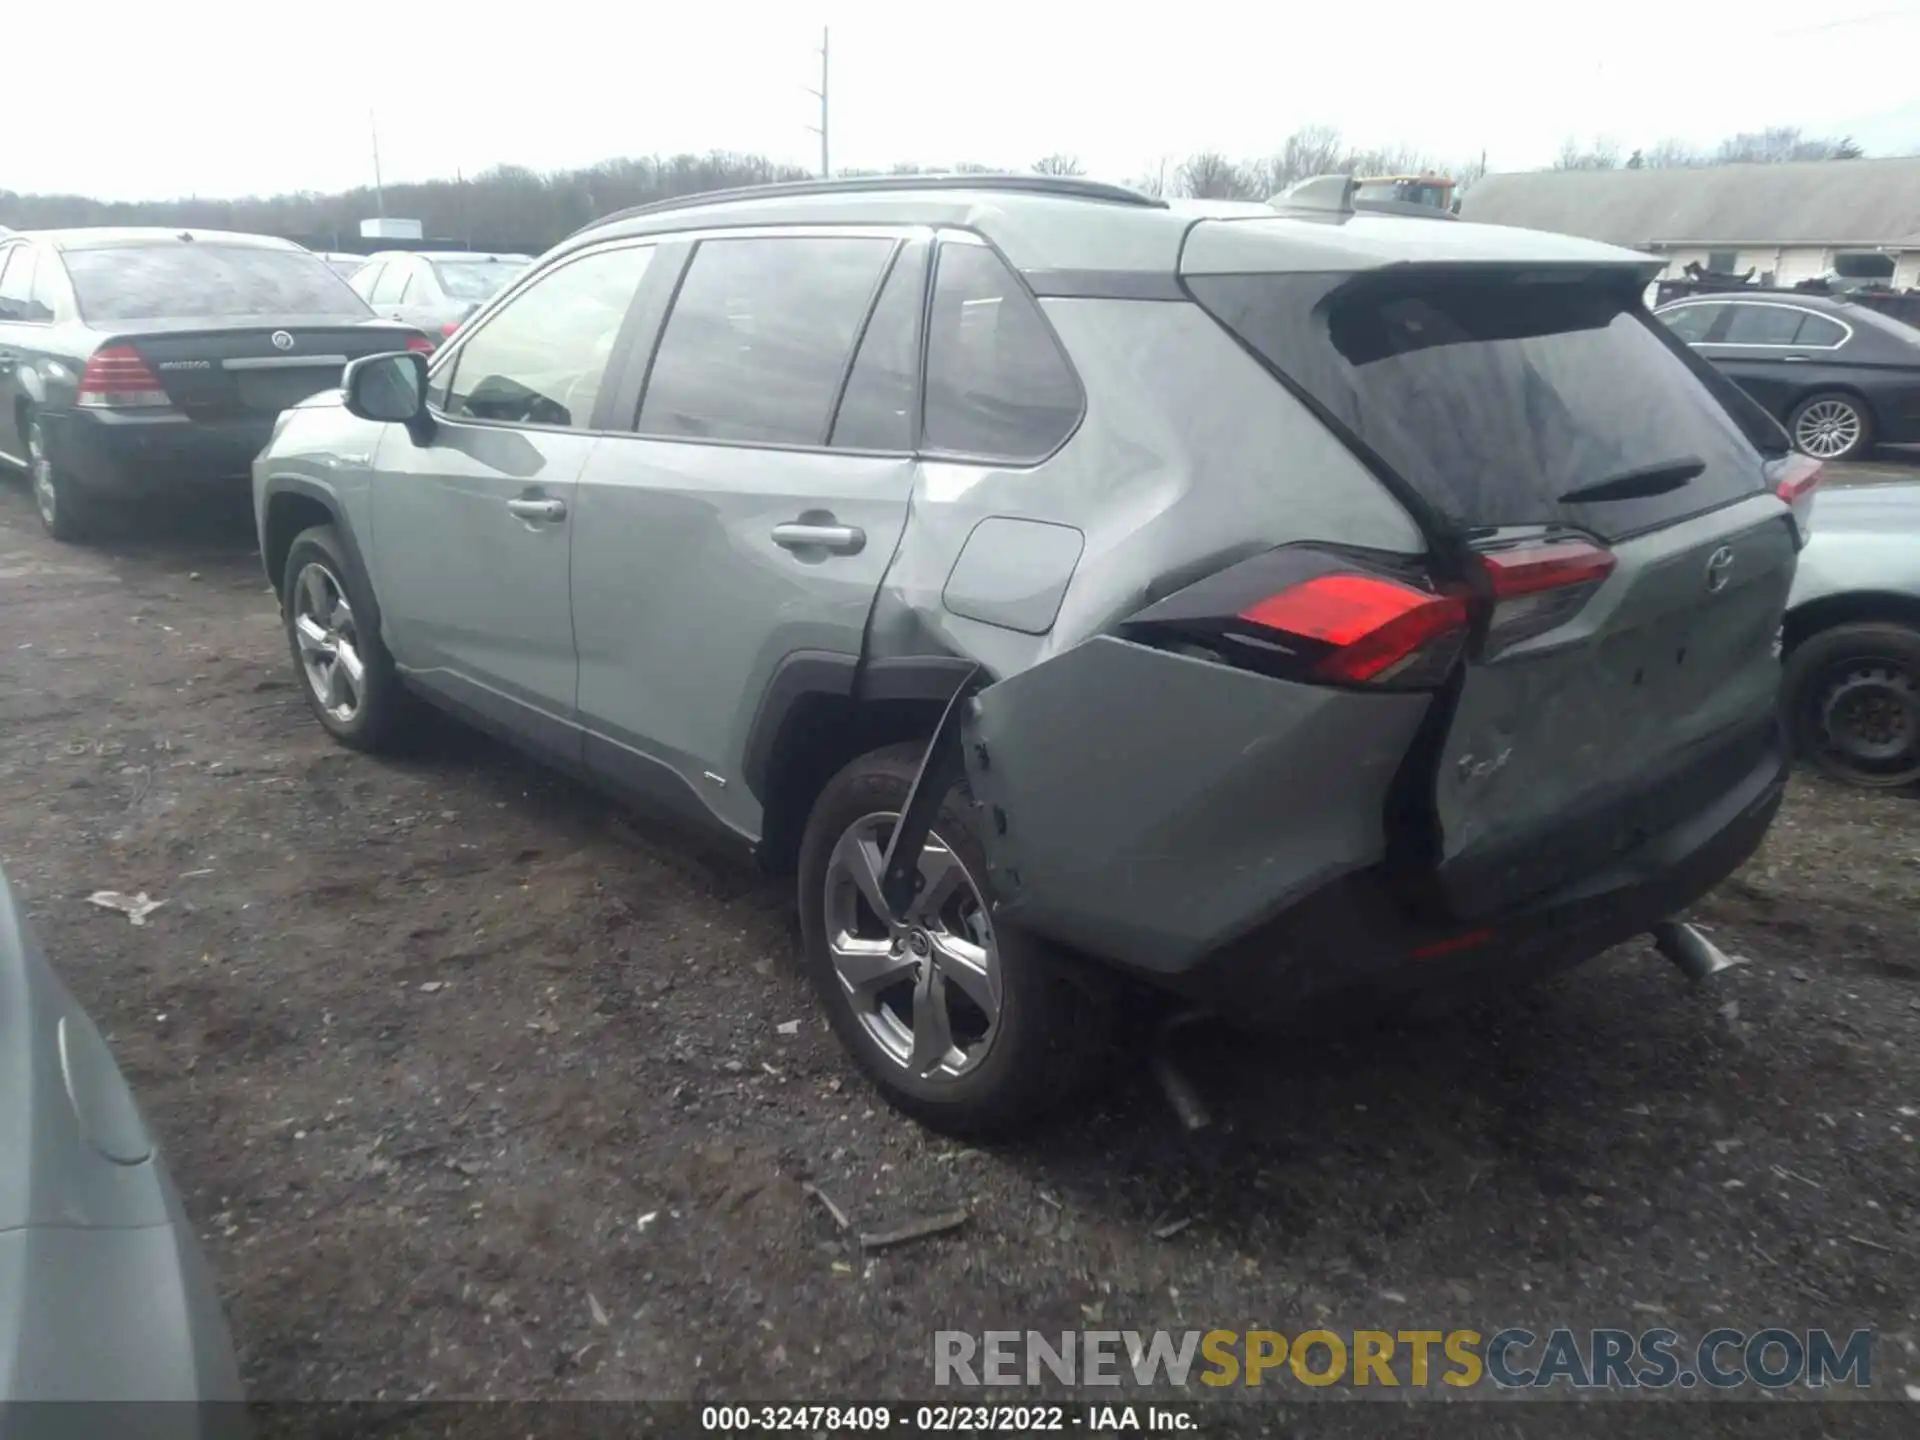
[379, 190]
[826, 165]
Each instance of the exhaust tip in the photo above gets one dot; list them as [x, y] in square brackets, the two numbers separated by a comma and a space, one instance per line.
[1696, 957]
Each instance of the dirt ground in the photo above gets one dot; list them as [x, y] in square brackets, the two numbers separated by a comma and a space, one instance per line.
[479, 1087]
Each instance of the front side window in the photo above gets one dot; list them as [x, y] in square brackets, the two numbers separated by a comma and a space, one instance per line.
[1691, 322]
[759, 338]
[997, 385]
[541, 358]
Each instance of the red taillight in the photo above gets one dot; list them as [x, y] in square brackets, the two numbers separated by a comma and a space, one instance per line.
[1376, 629]
[1795, 477]
[117, 378]
[1539, 587]
[449, 327]
[419, 344]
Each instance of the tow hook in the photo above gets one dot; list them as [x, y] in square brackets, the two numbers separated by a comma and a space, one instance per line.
[1697, 957]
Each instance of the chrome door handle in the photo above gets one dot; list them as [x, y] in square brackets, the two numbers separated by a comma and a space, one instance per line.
[538, 509]
[1796, 357]
[840, 539]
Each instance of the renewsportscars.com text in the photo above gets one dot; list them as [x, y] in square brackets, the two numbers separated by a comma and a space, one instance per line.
[1769, 1358]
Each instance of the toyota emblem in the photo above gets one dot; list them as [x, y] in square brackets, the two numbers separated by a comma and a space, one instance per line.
[282, 340]
[1719, 569]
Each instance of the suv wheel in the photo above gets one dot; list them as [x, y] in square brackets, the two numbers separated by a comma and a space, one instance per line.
[348, 677]
[970, 1027]
[1831, 426]
[1853, 703]
[65, 516]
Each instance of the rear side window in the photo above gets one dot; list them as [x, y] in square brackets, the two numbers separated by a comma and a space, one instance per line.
[1763, 325]
[1691, 322]
[759, 336]
[998, 386]
[541, 358]
[876, 409]
[1818, 332]
[474, 279]
[201, 278]
[1495, 396]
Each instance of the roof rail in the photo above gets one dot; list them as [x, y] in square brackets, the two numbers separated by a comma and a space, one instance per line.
[1320, 194]
[1067, 187]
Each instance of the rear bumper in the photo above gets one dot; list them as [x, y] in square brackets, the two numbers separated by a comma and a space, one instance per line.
[132, 456]
[1353, 943]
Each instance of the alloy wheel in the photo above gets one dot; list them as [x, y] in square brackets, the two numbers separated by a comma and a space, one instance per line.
[40, 469]
[1828, 428]
[323, 628]
[1868, 713]
[926, 987]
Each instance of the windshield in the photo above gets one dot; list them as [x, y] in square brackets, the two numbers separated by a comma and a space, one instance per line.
[476, 279]
[195, 278]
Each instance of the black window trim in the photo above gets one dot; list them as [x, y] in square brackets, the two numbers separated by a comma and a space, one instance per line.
[448, 357]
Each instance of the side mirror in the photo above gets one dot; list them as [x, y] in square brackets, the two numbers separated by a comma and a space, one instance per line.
[391, 389]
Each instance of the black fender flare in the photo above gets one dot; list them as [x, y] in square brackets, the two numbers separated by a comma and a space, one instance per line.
[279, 485]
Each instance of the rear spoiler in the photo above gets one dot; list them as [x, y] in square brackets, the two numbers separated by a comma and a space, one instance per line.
[1335, 195]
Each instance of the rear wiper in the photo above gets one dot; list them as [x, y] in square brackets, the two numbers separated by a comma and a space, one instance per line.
[1637, 484]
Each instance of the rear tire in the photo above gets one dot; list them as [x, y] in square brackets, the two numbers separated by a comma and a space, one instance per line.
[65, 515]
[1832, 425]
[981, 1074]
[345, 671]
[1852, 697]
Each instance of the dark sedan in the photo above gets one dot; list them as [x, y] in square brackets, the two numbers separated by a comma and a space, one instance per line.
[139, 364]
[1841, 377]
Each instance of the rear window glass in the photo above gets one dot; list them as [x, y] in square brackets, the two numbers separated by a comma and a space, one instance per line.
[1495, 396]
[195, 278]
[474, 279]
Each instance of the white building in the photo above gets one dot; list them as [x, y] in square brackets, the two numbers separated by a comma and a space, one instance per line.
[1786, 222]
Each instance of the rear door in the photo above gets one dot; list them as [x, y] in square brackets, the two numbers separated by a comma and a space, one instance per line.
[1614, 522]
[16, 287]
[229, 331]
[742, 522]
[1775, 351]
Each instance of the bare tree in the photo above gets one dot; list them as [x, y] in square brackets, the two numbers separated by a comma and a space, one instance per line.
[1669, 154]
[1058, 164]
[1603, 154]
[1212, 176]
[1309, 151]
[1780, 144]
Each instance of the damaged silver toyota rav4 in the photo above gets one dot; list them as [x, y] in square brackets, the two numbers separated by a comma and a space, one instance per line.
[1265, 602]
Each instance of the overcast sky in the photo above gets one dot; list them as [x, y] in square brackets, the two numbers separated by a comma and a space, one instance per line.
[212, 97]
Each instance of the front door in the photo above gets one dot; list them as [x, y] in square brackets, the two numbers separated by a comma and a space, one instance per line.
[754, 513]
[474, 517]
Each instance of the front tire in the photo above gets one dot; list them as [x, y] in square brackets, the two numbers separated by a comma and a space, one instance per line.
[1852, 697]
[65, 515]
[345, 671]
[1832, 425]
[968, 1026]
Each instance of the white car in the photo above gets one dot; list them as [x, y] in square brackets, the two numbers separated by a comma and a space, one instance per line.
[434, 290]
